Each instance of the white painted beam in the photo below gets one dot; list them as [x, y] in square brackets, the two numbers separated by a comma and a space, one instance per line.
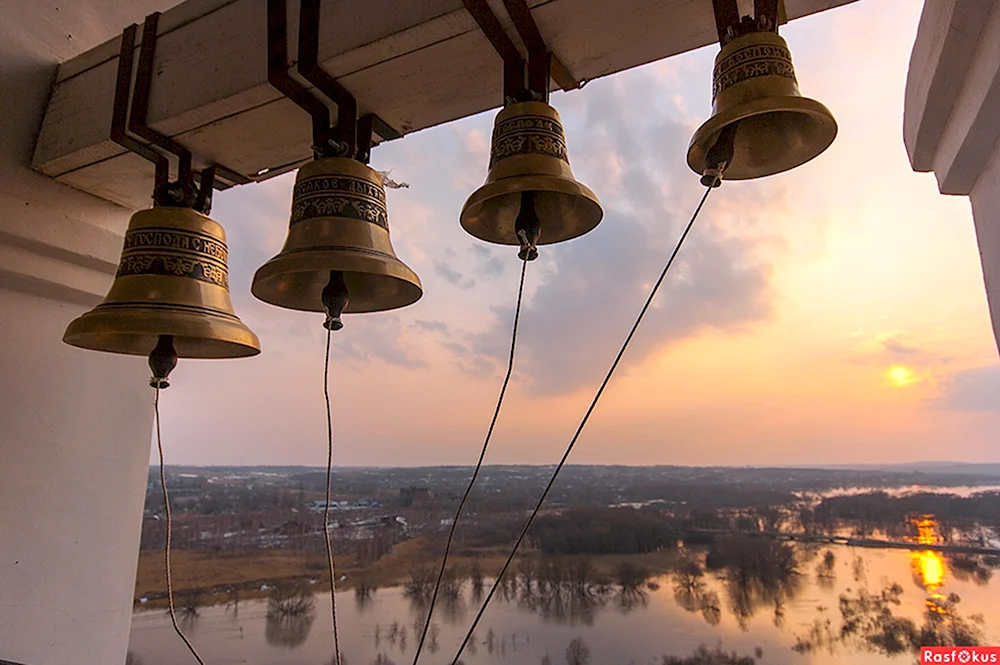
[415, 64]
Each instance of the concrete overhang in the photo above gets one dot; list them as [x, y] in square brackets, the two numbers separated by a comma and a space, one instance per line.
[951, 117]
[416, 64]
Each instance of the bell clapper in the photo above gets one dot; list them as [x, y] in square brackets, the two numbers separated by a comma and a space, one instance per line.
[720, 155]
[527, 227]
[335, 298]
[162, 360]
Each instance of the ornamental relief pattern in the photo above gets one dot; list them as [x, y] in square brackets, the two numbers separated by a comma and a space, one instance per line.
[339, 185]
[173, 266]
[333, 205]
[176, 240]
[528, 135]
[751, 62]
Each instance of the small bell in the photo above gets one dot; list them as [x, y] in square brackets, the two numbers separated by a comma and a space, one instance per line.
[756, 102]
[529, 166]
[339, 224]
[172, 281]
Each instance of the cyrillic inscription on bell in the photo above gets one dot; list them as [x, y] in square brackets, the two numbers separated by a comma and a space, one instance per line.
[755, 93]
[339, 223]
[528, 158]
[172, 279]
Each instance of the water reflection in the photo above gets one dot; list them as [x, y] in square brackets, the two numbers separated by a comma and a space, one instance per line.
[363, 593]
[754, 594]
[290, 615]
[288, 631]
[870, 621]
[929, 566]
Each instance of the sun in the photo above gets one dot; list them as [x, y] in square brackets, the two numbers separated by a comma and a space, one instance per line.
[900, 376]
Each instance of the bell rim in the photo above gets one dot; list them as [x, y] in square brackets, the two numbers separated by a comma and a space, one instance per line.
[275, 267]
[697, 150]
[231, 337]
[557, 184]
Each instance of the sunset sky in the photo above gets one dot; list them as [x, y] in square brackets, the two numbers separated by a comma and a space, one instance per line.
[832, 314]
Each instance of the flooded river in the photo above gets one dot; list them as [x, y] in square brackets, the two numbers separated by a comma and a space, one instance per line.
[616, 628]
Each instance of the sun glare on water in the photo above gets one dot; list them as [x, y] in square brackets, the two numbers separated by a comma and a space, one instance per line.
[929, 566]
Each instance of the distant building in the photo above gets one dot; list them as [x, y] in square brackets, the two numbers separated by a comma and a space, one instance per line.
[409, 496]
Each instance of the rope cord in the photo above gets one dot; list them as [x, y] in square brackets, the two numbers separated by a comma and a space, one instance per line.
[579, 430]
[479, 464]
[326, 509]
[166, 550]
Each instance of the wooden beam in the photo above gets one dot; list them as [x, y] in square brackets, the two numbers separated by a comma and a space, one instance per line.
[414, 64]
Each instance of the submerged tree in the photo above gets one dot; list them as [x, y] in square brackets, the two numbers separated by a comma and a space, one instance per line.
[705, 656]
[688, 575]
[577, 653]
[827, 566]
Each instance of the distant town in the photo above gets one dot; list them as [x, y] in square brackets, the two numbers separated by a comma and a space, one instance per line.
[373, 509]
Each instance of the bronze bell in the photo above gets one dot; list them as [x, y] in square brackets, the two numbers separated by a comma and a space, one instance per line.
[755, 95]
[172, 281]
[530, 178]
[338, 232]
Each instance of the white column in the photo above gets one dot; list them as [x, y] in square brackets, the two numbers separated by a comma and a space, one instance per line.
[985, 198]
[951, 118]
[74, 425]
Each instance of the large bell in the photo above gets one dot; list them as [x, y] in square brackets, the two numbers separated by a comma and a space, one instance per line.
[339, 224]
[172, 280]
[529, 166]
[755, 94]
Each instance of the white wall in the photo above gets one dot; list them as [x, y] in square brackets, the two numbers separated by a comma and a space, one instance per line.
[951, 118]
[74, 425]
[985, 198]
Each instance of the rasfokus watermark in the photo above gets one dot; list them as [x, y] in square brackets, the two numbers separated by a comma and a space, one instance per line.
[960, 655]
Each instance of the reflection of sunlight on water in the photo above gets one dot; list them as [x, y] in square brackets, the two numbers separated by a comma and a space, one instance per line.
[929, 566]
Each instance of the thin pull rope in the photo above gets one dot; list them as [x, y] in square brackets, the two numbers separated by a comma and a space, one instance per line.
[166, 550]
[479, 464]
[586, 417]
[326, 510]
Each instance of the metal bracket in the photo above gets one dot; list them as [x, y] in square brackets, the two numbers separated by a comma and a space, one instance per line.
[351, 137]
[308, 66]
[183, 191]
[539, 57]
[767, 16]
[120, 112]
[513, 63]
[542, 65]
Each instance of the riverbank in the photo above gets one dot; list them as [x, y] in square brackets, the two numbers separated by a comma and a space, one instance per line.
[207, 578]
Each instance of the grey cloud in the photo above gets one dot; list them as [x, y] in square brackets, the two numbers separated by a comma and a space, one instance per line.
[379, 336]
[576, 320]
[580, 313]
[975, 389]
[432, 326]
[488, 265]
[898, 347]
[456, 348]
[452, 275]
